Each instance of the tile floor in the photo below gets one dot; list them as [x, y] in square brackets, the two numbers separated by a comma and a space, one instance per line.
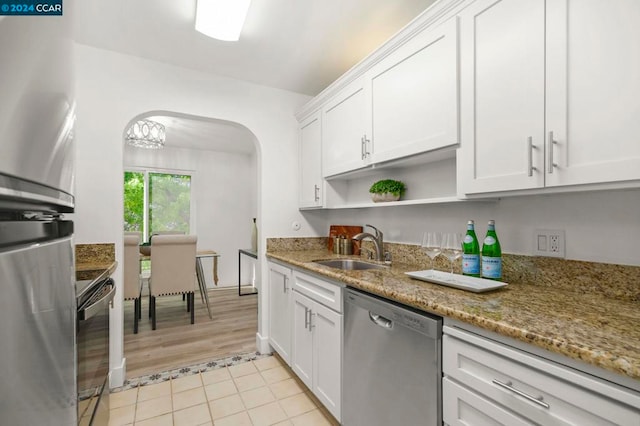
[258, 392]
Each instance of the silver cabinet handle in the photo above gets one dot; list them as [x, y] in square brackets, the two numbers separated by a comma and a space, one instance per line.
[284, 284]
[362, 148]
[306, 317]
[530, 148]
[316, 189]
[366, 149]
[551, 143]
[509, 387]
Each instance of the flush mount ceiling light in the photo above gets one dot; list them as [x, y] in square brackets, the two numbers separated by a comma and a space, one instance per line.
[221, 19]
[146, 134]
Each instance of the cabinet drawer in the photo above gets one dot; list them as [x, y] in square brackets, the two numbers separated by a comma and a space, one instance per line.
[319, 290]
[536, 389]
[463, 407]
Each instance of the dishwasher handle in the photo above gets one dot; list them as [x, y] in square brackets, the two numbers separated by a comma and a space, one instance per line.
[380, 320]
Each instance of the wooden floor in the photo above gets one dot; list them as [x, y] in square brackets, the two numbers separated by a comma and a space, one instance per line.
[176, 343]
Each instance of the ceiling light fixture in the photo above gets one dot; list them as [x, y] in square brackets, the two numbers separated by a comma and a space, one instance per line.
[146, 134]
[221, 19]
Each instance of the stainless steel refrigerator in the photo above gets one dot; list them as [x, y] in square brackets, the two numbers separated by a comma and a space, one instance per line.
[37, 293]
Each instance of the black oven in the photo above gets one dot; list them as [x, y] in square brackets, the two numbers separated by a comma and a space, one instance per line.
[94, 301]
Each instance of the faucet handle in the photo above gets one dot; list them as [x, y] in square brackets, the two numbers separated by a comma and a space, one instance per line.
[378, 233]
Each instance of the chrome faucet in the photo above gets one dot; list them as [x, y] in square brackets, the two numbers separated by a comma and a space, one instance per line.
[377, 241]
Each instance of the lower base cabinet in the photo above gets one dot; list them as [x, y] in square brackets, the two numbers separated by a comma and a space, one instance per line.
[487, 382]
[280, 310]
[316, 354]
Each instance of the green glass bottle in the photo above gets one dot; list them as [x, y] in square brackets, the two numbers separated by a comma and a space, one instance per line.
[491, 254]
[470, 252]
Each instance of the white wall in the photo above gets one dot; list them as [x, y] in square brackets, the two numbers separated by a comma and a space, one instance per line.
[601, 226]
[223, 192]
[112, 88]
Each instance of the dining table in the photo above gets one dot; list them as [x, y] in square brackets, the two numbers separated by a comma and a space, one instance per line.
[204, 295]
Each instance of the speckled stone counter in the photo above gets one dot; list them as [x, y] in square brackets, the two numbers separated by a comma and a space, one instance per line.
[93, 259]
[600, 326]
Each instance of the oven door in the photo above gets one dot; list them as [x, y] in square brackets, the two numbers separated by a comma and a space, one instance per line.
[93, 354]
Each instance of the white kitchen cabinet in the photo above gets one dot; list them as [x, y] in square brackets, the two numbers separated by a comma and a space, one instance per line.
[310, 147]
[593, 91]
[502, 95]
[317, 338]
[549, 94]
[404, 105]
[413, 95]
[345, 144]
[463, 407]
[280, 310]
[488, 380]
[302, 360]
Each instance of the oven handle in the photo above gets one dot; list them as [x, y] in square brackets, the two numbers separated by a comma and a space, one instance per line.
[99, 305]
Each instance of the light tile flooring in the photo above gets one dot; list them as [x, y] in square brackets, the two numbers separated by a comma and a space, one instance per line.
[259, 392]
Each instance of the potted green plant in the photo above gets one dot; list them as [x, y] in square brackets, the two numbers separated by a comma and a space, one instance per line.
[387, 190]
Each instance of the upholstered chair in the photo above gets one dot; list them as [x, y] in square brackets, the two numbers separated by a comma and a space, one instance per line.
[173, 270]
[132, 282]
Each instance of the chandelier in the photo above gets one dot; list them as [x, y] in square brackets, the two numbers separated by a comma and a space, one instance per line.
[146, 134]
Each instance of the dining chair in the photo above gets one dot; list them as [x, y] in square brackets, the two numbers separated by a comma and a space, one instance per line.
[132, 282]
[173, 270]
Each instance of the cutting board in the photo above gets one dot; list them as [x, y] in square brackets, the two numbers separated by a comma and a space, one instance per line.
[347, 230]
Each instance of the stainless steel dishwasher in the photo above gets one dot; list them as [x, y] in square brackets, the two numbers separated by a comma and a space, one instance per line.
[392, 369]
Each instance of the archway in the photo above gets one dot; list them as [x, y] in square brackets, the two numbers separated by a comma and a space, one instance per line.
[222, 160]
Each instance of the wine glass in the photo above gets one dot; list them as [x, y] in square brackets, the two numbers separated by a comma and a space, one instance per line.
[452, 247]
[432, 245]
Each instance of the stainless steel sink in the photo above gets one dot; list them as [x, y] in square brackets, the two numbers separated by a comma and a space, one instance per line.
[349, 264]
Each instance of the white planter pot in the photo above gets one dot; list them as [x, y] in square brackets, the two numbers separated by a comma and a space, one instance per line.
[381, 198]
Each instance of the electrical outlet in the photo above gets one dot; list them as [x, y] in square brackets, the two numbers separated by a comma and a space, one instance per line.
[549, 242]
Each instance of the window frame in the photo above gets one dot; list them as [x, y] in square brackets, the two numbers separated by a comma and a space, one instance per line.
[145, 213]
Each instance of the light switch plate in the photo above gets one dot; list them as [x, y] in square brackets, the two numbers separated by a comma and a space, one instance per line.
[549, 242]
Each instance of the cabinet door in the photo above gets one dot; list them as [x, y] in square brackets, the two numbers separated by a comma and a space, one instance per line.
[327, 356]
[593, 91]
[414, 95]
[538, 390]
[310, 146]
[302, 351]
[280, 310]
[343, 131]
[462, 407]
[502, 95]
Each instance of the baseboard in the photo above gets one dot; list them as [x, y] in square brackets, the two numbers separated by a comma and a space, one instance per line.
[116, 378]
[262, 343]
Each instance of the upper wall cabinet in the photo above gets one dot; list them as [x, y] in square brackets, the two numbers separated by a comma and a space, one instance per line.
[405, 104]
[310, 143]
[593, 91]
[549, 94]
[345, 145]
[413, 95]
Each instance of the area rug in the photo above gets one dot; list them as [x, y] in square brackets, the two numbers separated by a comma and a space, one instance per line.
[187, 371]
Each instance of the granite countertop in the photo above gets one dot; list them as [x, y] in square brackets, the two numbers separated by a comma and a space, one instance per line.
[92, 260]
[92, 271]
[592, 328]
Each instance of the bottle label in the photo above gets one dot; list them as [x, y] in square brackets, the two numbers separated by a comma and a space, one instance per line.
[489, 240]
[492, 267]
[470, 264]
[468, 239]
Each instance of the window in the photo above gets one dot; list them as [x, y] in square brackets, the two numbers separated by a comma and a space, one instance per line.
[156, 202]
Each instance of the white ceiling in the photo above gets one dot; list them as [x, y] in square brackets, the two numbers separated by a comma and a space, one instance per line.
[296, 45]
